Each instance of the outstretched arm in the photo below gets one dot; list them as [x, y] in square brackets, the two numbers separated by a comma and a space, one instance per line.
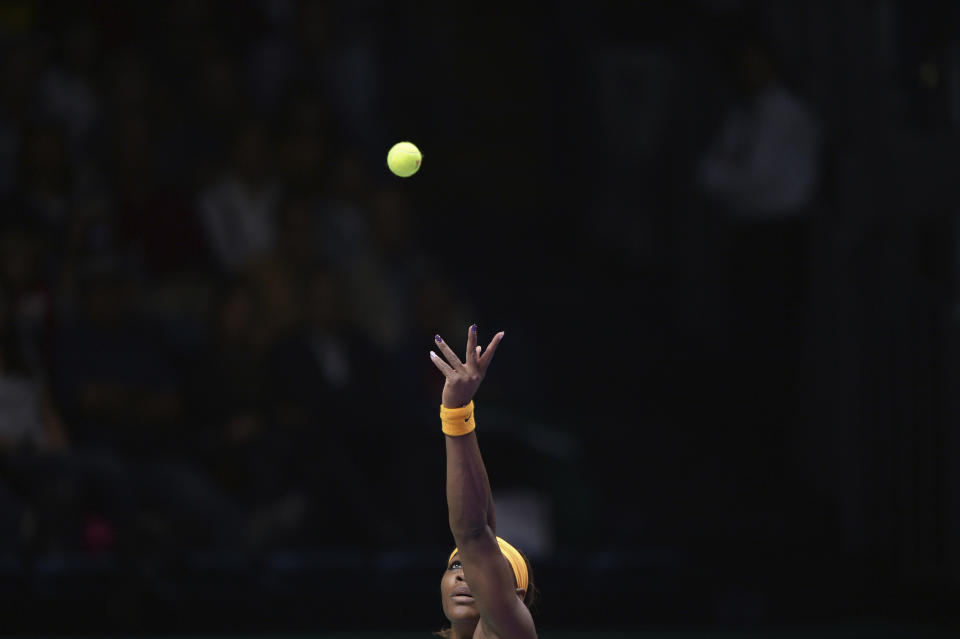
[470, 501]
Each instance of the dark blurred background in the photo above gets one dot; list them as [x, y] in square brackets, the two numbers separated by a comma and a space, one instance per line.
[720, 236]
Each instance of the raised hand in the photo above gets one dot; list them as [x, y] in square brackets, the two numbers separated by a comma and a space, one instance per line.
[463, 378]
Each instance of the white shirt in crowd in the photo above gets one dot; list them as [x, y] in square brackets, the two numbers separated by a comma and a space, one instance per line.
[240, 221]
[21, 419]
[765, 161]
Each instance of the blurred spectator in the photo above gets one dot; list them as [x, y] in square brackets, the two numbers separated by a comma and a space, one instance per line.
[33, 442]
[28, 417]
[238, 211]
[764, 163]
[762, 172]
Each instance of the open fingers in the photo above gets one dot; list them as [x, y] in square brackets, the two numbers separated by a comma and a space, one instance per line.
[450, 356]
[488, 354]
[472, 346]
[442, 365]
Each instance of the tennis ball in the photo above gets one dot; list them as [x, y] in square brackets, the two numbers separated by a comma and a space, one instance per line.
[404, 159]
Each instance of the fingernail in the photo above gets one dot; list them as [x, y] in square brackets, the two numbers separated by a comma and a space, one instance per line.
[432, 355]
[473, 328]
[437, 337]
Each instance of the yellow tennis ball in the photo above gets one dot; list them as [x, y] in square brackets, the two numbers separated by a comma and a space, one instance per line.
[404, 159]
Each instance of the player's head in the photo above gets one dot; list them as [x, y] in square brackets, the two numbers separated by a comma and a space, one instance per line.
[460, 608]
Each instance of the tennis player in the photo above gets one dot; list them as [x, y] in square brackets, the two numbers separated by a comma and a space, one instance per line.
[487, 586]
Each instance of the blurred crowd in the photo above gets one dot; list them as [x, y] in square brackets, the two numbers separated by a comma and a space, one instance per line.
[212, 293]
[718, 233]
[209, 285]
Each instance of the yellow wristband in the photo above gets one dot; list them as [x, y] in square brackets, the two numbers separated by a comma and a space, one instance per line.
[457, 421]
